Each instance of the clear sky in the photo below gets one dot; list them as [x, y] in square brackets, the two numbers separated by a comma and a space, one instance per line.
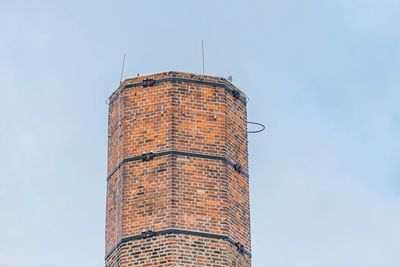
[322, 75]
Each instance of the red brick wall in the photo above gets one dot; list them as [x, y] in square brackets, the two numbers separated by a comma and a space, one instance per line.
[177, 191]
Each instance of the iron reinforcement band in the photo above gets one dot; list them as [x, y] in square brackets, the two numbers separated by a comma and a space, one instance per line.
[225, 85]
[175, 231]
[182, 153]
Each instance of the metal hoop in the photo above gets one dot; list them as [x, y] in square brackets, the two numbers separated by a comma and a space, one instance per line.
[258, 124]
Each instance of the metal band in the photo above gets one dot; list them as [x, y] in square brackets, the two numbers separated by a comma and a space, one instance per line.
[171, 231]
[145, 157]
[144, 83]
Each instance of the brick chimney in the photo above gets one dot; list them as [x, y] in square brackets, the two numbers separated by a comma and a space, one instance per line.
[177, 184]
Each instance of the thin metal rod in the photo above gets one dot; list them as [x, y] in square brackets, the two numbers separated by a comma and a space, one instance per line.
[122, 70]
[202, 51]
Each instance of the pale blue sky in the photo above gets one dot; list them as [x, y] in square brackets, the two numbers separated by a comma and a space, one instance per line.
[322, 75]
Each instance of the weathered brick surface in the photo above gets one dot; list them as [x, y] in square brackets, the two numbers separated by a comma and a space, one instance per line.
[239, 207]
[147, 119]
[200, 195]
[176, 191]
[147, 196]
[114, 210]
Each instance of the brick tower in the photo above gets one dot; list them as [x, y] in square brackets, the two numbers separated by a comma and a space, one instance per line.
[177, 185]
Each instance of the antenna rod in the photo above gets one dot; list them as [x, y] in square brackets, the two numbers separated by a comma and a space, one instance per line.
[122, 71]
[202, 51]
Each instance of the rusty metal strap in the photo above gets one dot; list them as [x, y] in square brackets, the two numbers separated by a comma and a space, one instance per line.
[150, 82]
[175, 231]
[151, 155]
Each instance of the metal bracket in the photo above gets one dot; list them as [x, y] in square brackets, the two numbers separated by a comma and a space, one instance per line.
[240, 247]
[148, 156]
[236, 94]
[237, 167]
[148, 233]
[148, 82]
